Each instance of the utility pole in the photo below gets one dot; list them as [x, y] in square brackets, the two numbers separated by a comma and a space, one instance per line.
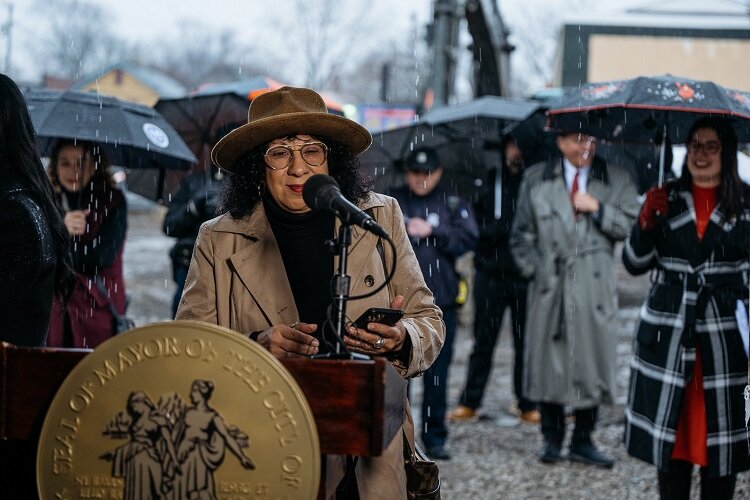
[7, 30]
[444, 38]
[490, 47]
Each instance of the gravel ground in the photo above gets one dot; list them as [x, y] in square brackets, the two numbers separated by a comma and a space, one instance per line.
[494, 457]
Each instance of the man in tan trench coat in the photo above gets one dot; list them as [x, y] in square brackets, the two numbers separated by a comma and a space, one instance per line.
[571, 211]
[263, 270]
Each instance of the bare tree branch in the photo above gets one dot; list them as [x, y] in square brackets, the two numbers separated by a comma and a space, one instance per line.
[198, 54]
[322, 38]
[535, 33]
[77, 38]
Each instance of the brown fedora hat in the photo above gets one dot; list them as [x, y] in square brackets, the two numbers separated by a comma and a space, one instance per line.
[284, 112]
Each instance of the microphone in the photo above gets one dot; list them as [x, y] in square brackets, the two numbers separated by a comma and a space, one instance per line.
[322, 194]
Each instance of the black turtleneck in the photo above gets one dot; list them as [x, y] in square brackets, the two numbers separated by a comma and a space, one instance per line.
[307, 259]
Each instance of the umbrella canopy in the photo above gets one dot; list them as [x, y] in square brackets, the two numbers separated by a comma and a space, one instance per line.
[465, 136]
[201, 120]
[132, 135]
[643, 108]
[251, 88]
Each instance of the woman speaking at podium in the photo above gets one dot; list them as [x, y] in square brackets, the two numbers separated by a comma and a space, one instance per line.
[263, 268]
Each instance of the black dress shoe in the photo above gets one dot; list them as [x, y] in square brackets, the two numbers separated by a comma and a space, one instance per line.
[588, 454]
[438, 453]
[551, 454]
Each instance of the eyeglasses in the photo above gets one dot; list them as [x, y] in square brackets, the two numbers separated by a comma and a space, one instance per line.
[281, 157]
[710, 147]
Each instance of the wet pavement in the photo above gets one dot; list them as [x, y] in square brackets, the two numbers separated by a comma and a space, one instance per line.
[494, 457]
[148, 274]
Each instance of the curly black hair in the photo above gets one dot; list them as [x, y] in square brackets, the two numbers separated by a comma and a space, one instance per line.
[242, 190]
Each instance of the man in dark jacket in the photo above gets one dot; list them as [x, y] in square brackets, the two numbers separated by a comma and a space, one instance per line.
[194, 204]
[499, 285]
[441, 227]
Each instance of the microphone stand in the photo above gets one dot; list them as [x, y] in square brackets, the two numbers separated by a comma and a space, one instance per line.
[341, 281]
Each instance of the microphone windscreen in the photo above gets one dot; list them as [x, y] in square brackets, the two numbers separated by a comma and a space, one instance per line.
[314, 186]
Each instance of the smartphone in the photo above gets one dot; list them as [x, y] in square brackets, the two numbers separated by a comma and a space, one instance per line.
[379, 315]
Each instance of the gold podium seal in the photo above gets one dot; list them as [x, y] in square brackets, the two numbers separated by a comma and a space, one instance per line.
[175, 411]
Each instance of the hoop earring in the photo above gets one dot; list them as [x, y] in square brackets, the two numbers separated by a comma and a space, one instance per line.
[261, 190]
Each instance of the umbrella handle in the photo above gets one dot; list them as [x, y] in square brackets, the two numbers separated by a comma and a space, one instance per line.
[662, 154]
[498, 205]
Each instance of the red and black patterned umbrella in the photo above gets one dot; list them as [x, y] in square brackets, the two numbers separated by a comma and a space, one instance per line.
[643, 108]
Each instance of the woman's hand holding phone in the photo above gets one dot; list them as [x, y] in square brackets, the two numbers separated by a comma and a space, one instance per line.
[378, 330]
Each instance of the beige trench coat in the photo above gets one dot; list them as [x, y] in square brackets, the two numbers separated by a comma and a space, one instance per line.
[237, 280]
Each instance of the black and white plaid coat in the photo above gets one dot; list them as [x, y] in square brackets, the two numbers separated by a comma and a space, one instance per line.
[696, 286]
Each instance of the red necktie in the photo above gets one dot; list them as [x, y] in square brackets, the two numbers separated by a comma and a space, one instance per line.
[573, 191]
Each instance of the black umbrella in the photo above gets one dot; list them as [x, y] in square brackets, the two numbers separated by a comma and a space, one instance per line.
[202, 120]
[133, 136]
[461, 135]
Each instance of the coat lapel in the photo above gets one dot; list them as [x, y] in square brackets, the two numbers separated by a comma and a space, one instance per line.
[703, 247]
[559, 197]
[713, 235]
[363, 244]
[261, 270]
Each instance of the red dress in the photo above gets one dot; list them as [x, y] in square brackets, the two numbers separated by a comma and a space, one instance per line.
[692, 435]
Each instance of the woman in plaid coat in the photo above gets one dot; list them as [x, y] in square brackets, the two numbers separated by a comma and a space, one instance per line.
[689, 365]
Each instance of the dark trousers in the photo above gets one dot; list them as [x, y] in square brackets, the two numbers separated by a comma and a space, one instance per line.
[674, 483]
[491, 298]
[553, 424]
[435, 395]
[179, 274]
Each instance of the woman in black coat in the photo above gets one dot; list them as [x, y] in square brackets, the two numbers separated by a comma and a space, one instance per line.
[35, 260]
[689, 365]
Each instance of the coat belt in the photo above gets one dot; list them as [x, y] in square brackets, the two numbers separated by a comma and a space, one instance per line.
[701, 285]
[694, 281]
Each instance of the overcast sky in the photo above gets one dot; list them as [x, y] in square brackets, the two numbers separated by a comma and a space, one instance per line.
[145, 20]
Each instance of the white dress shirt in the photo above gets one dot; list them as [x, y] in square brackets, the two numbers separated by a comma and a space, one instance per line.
[570, 173]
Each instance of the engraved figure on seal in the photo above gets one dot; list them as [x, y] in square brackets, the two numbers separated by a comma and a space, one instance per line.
[202, 438]
[148, 461]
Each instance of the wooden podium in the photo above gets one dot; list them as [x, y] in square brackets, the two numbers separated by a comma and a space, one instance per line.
[358, 406]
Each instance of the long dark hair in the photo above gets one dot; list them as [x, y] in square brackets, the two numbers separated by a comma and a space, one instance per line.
[731, 188]
[243, 190]
[19, 155]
